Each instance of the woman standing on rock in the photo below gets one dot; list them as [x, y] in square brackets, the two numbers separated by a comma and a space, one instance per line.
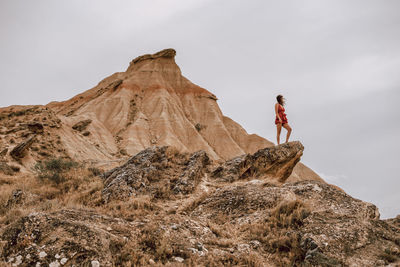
[281, 119]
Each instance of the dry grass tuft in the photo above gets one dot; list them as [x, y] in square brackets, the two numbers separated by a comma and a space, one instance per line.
[276, 233]
[289, 214]
[194, 202]
[251, 259]
[154, 241]
[130, 209]
[389, 256]
[46, 191]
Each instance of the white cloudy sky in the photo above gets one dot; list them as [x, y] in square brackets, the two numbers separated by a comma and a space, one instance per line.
[337, 63]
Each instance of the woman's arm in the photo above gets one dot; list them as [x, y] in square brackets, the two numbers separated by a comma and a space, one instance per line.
[276, 112]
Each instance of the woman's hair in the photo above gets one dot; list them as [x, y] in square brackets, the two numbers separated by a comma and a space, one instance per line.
[280, 99]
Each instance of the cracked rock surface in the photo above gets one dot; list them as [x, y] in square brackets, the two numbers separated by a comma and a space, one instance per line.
[174, 209]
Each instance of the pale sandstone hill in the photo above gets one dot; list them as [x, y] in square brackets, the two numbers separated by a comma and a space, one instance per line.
[151, 103]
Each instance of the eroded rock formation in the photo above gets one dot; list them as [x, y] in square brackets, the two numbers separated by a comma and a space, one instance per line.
[161, 171]
[19, 151]
[157, 171]
[276, 162]
[195, 219]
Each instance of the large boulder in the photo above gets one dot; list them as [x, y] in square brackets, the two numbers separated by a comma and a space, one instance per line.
[275, 162]
[156, 171]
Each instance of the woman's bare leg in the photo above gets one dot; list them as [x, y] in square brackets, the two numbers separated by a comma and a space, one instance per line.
[278, 131]
[289, 130]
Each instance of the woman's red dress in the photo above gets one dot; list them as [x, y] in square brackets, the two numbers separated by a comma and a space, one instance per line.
[281, 112]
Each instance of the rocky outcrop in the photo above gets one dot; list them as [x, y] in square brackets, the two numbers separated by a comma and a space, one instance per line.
[19, 151]
[3, 152]
[395, 222]
[162, 171]
[173, 209]
[156, 171]
[17, 197]
[275, 162]
[324, 225]
[167, 53]
[192, 174]
[8, 169]
[80, 126]
[35, 127]
[67, 237]
[30, 134]
[308, 222]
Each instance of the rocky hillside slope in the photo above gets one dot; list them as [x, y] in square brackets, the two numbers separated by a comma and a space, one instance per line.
[151, 103]
[163, 207]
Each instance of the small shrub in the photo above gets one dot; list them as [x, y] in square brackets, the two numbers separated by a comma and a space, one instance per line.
[95, 171]
[153, 240]
[54, 169]
[198, 127]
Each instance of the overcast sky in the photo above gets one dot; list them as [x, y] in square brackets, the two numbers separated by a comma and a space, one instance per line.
[337, 63]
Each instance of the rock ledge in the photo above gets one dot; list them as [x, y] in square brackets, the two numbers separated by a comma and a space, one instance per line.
[168, 53]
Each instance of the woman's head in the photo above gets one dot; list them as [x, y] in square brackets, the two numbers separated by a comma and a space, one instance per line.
[280, 99]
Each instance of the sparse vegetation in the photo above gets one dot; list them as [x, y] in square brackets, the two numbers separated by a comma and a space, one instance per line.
[72, 186]
[199, 127]
[276, 232]
[131, 209]
[95, 171]
[289, 214]
[54, 169]
[153, 240]
[133, 109]
[189, 207]
[251, 260]
[388, 255]
[8, 169]
[18, 113]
